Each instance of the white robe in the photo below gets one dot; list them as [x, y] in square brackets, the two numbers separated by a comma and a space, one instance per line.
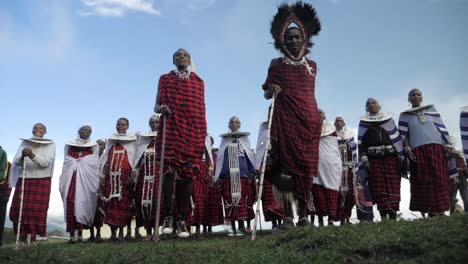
[329, 167]
[87, 185]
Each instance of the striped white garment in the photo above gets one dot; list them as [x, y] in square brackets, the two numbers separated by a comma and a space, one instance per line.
[464, 131]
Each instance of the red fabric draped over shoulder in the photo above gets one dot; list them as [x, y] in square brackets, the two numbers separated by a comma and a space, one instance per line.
[186, 127]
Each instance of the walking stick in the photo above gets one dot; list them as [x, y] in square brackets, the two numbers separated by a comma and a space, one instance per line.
[262, 171]
[160, 183]
[21, 203]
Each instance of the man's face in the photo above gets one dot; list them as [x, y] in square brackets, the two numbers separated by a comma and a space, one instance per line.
[154, 124]
[85, 132]
[415, 98]
[121, 126]
[373, 107]
[294, 41]
[339, 123]
[39, 130]
[234, 124]
[181, 59]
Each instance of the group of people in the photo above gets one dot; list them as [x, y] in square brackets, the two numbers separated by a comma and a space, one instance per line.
[171, 177]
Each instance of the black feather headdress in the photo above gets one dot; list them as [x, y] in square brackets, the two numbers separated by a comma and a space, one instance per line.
[303, 16]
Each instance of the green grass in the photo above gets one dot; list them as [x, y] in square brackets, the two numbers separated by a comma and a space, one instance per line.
[438, 240]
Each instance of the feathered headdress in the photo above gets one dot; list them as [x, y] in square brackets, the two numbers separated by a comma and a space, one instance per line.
[302, 15]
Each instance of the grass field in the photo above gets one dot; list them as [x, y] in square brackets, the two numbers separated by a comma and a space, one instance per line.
[437, 240]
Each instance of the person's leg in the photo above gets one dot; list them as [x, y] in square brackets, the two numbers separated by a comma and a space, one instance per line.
[168, 197]
[184, 191]
[129, 229]
[464, 196]
[3, 208]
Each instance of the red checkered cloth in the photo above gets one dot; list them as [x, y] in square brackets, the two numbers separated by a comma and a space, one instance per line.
[214, 208]
[72, 224]
[250, 199]
[325, 200]
[118, 211]
[99, 216]
[239, 212]
[271, 209]
[296, 125]
[384, 182]
[35, 206]
[186, 127]
[199, 192]
[349, 202]
[213, 202]
[429, 180]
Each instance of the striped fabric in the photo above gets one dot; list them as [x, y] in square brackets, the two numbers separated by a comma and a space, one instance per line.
[431, 114]
[464, 132]
[389, 126]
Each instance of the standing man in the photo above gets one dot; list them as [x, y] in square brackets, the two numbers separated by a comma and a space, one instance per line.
[234, 171]
[348, 148]
[296, 125]
[381, 153]
[181, 98]
[33, 164]
[79, 183]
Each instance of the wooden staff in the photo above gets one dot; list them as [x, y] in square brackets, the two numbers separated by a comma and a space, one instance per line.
[21, 203]
[161, 178]
[262, 170]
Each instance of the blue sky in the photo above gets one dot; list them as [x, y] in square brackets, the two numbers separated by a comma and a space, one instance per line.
[66, 63]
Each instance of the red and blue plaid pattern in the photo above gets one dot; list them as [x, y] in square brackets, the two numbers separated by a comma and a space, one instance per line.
[325, 200]
[35, 206]
[384, 182]
[429, 180]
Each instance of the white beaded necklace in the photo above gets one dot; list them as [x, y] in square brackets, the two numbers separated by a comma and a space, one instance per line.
[303, 62]
[182, 75]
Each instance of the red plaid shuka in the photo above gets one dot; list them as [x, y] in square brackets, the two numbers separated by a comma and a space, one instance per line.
[72, 224]
[214, 207]
[429, 180]
[296, 125]
[199, 192]
[271, 209]
[384, 182]
[239, 212]
[35, 206]
[118, 211]
[325, 200]
[99, 216]
[213, 202]
[349, 202]
[186, 127]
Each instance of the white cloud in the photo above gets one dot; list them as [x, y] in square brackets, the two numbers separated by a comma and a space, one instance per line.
[117, 8]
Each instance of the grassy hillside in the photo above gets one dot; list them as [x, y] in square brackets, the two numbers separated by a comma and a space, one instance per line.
[439, 240]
